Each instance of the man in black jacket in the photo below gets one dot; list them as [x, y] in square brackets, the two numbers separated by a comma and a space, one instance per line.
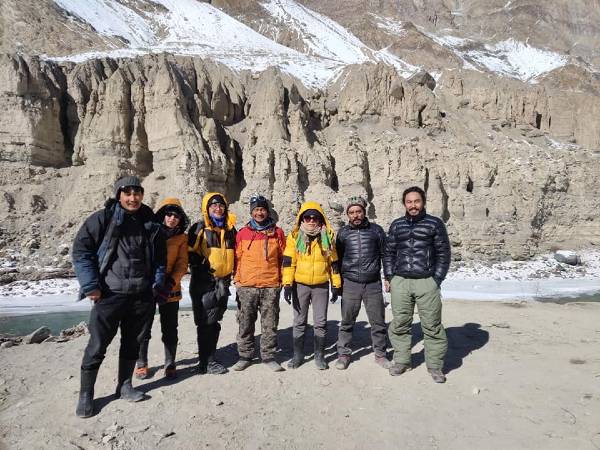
[415, 262]
[360, 246]
[119, 256]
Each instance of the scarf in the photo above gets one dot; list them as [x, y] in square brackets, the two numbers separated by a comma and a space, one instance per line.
[269, 222]
[305, 235]
[218, 222]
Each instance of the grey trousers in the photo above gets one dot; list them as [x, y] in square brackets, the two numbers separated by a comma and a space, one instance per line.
[318, 296]
[372, 296]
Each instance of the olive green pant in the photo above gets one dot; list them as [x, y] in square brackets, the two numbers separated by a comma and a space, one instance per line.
[426, 294]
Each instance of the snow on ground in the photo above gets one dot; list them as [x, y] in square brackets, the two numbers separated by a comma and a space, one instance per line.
[190, 27]
[542, 277]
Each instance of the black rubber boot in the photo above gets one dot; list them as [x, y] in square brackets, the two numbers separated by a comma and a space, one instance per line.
[170, 353]
[320, 353]
[143, 355]
[298, 357]
[124, 388]
[85, 406]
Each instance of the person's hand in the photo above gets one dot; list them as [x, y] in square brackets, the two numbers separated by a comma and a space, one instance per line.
[386, 285]
[237, 284]
[161, 294]
[95, 295]
[335, 294]
[287, 294]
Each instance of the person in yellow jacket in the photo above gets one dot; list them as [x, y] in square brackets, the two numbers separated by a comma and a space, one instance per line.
[211, 245]
[310, 263]
[174, 223]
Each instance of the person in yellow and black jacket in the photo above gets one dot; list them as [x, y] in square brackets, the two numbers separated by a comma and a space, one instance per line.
[174, 223]
[211, 245]
[310, 263]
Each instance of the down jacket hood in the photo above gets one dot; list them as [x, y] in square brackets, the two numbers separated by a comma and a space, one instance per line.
[173, 203]
[230, 217]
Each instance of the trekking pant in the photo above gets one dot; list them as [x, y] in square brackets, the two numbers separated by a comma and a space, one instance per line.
[318, 296]
[426, 294]
[372, 296]
[251, 301]
[168, 326]
[206, 333]
[130, 312]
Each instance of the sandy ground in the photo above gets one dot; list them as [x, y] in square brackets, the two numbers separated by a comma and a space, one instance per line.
[521, 376]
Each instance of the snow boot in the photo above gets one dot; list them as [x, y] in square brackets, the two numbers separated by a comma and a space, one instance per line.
[320, 353]
[85, 406]
[242, 364]
[214, 367]
[298, 357]
[124, 388]
[273, 365]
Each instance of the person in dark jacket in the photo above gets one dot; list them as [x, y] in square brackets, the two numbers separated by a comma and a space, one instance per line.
[211, 245]
[415, 263]
[119, 256]
[360, 246]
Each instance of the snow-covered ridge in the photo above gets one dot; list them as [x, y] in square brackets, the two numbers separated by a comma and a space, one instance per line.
[190, 27]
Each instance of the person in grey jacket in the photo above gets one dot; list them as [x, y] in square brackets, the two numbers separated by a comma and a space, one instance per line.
[360, 246]
[119, 256]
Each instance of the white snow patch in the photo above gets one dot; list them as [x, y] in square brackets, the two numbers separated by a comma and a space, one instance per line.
[390, 25]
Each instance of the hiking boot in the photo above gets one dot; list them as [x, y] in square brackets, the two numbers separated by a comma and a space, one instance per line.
[141, 373]
[437, 375]
[399, 369]
[202, 367]
[273, 365]
[170, 373]
[85, 405]
[383, 362]
[298, 357]
[342, 362]
[214, 367]
[124, 389]
[242, 364]
[320, 353]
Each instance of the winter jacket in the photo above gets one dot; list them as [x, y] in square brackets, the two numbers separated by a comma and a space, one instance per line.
[258, 256]
[123, 252]
[315, 266]
[211, 248]
[360, 249]
[417, 247]
[177, 248]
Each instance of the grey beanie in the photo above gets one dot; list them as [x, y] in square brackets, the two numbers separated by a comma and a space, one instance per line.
[128, 181]
[356, 201]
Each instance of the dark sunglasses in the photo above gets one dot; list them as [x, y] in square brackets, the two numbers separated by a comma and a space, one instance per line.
[311, 219]
[172, 214]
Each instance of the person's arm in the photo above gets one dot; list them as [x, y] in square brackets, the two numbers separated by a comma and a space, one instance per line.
[239, 252]
[389, 253]
[334, 270]
[340, 246]
[85, 257]
[442, 253]
[160, 259]
[289, 261]
[180, 267]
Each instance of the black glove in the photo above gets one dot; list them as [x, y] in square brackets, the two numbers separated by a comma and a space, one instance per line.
[335, 294]
[287, 294]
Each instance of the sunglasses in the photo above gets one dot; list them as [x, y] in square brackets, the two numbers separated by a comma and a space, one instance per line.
[311, 219]
[172, 214]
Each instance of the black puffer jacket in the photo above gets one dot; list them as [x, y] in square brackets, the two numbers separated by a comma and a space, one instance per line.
[417, 247]
[360, 249]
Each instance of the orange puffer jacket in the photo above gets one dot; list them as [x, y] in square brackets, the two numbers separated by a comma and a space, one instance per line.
[258, 256]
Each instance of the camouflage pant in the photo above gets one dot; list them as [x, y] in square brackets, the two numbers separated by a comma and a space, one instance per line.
[252, 301]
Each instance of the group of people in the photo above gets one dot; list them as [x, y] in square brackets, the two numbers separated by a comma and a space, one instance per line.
[129, 259]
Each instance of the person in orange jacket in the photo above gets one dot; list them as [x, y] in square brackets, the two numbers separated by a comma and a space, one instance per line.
[174, 223]
[310, 263]
[258, 254]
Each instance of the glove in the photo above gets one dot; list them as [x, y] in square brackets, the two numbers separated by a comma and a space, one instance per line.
[335, 294]
[287, 294]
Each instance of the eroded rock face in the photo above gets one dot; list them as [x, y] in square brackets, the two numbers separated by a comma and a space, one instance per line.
[507, 166]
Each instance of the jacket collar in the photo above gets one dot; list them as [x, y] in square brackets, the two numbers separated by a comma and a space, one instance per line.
[364, 224]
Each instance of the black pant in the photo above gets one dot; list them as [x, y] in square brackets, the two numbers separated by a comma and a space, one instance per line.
[207, 331]
[130, 312]
[372, 296]
[168, 326]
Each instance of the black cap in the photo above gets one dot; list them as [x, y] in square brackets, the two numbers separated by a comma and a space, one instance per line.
[125, 182]
[258, 201]
[217, 198]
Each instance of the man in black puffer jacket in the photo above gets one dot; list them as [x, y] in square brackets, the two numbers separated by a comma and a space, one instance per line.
[360, 247]
[119, 256]
[415, 262]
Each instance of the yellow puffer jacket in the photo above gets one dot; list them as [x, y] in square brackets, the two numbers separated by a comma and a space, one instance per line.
[315, 266]
[215, 244]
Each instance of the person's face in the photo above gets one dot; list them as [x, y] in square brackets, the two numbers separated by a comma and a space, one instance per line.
[413, 203]
[131, 198]
[259, 214]
[172, 219]
[356, 215]
[217, 210]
